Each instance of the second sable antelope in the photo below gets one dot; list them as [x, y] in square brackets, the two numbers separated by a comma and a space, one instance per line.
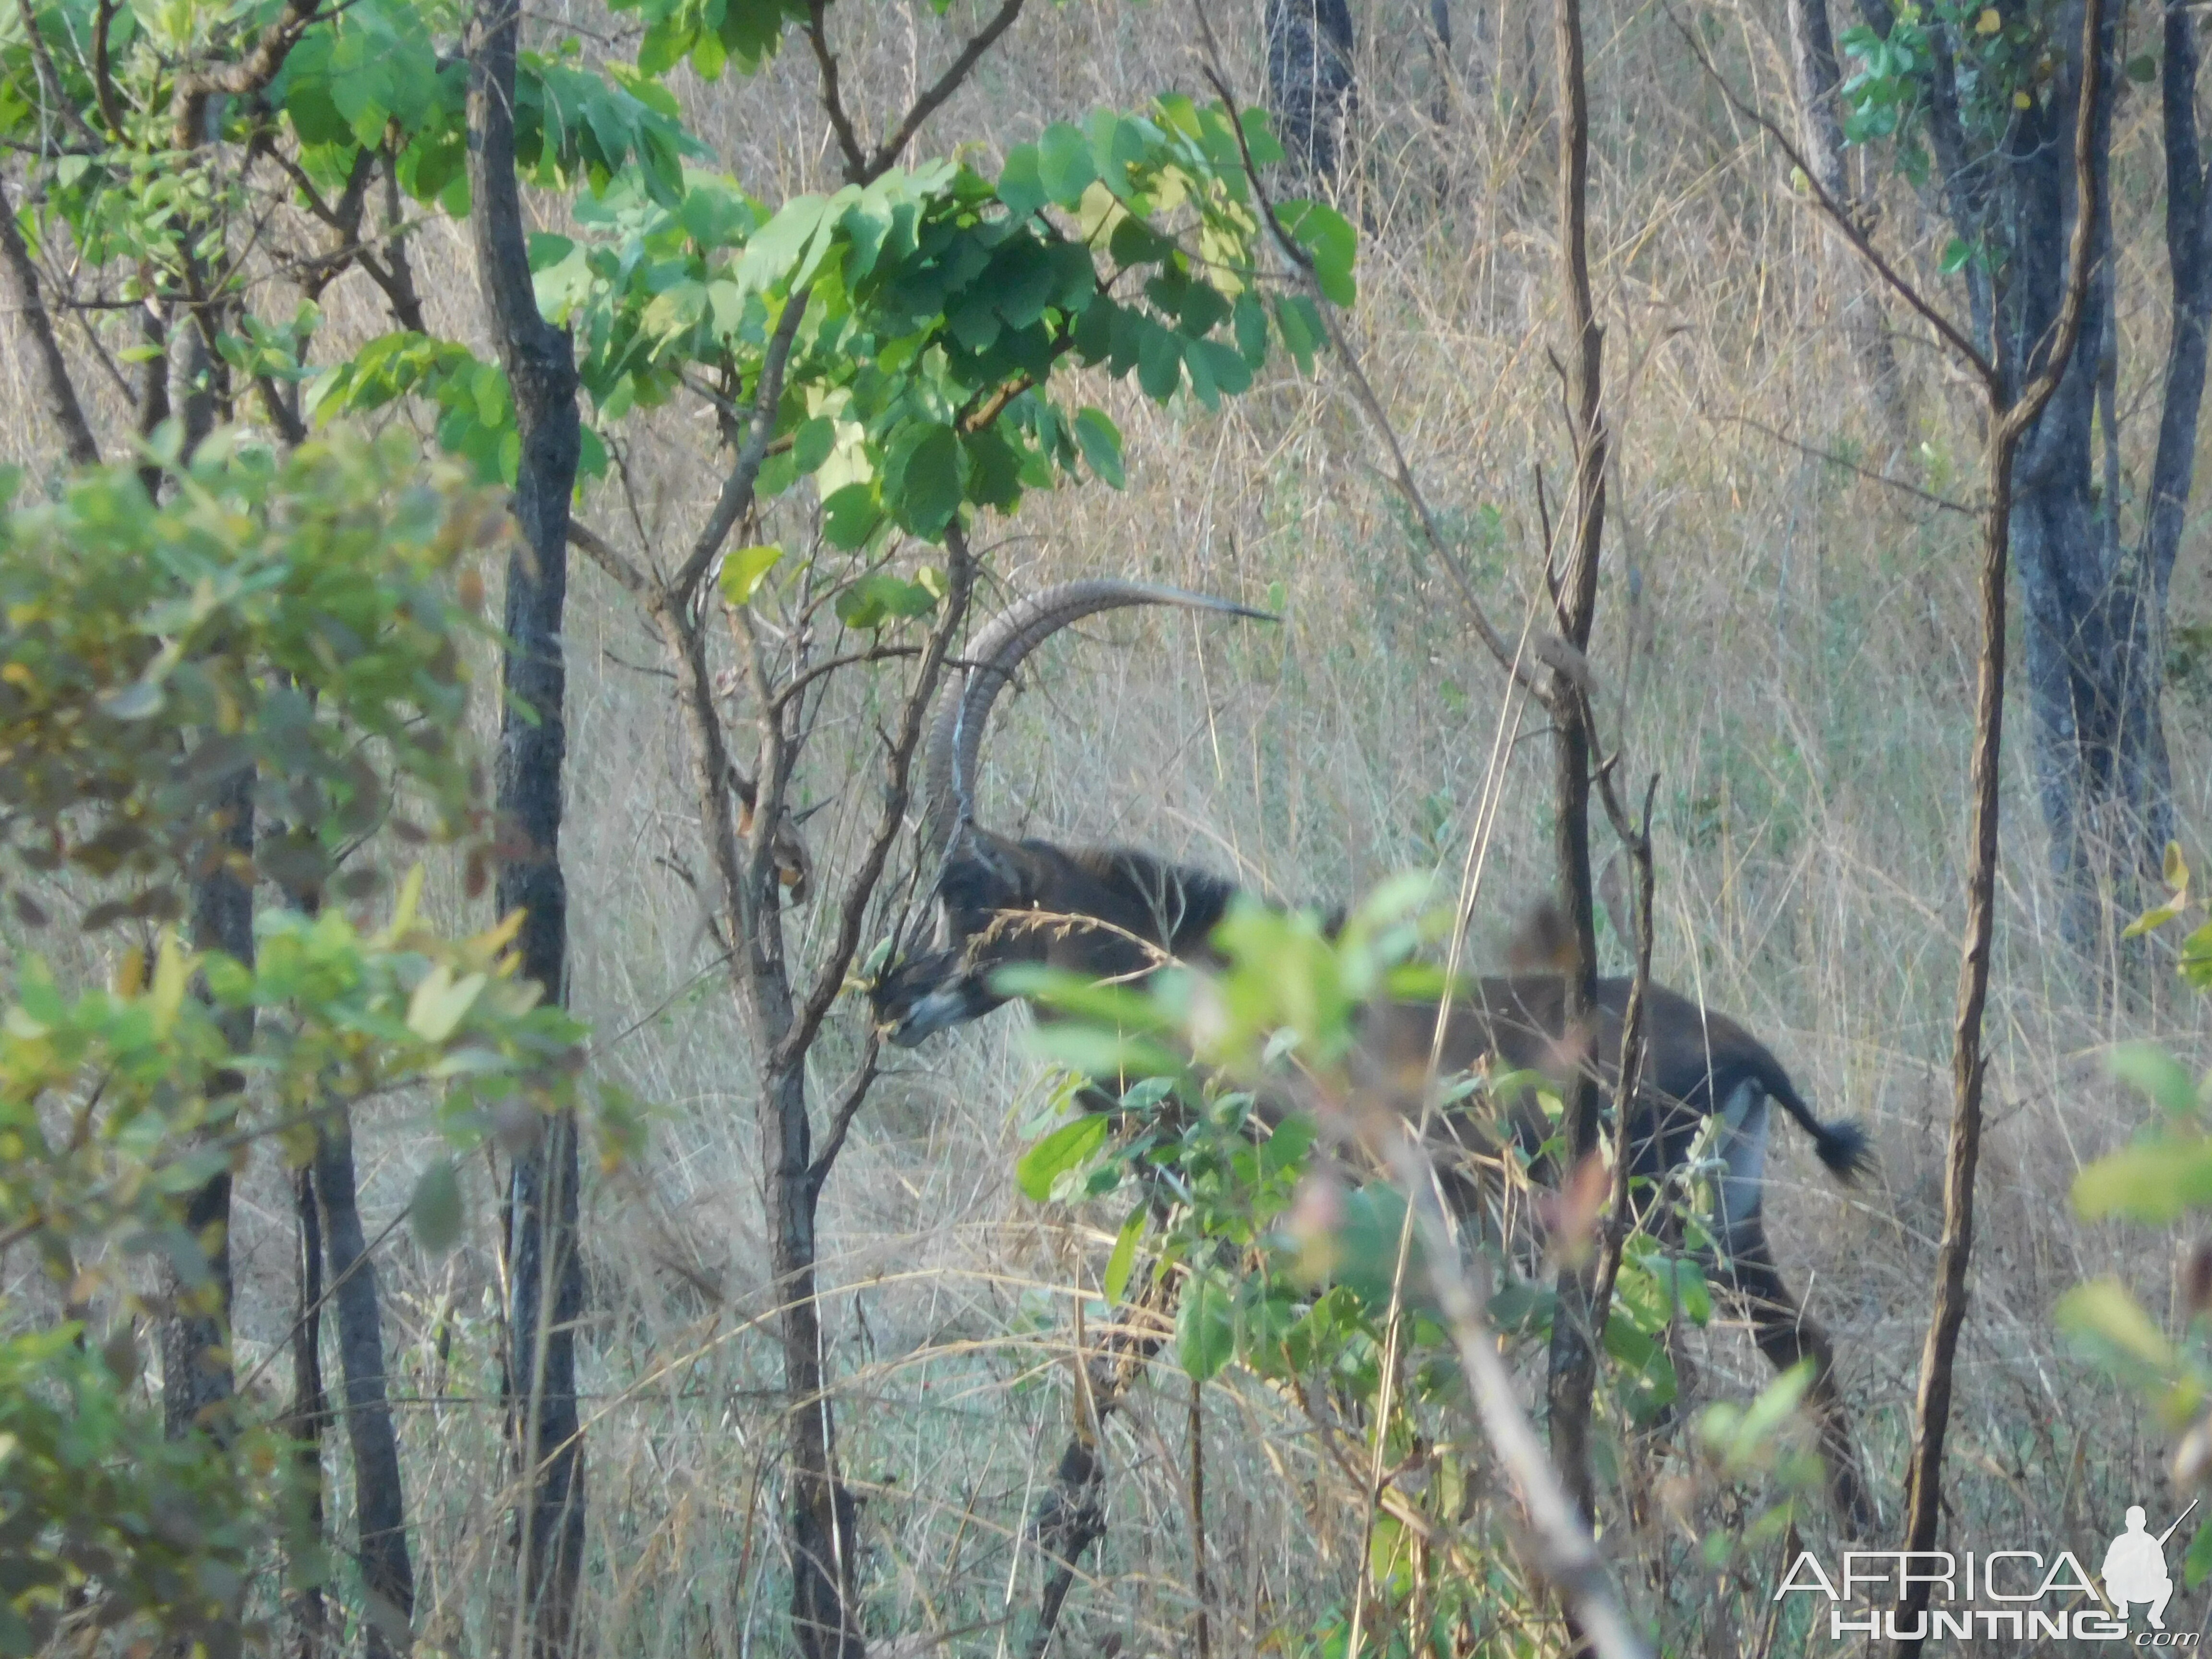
[1115, 914]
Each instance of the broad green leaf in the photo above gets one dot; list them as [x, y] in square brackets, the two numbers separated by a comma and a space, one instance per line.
[850, 515]
[744, 571]
[441, 1002]
[1124, 1258]
[1100, 439]
[1065, 168]
[2157, 1073]
[1206, 1326]
[2198, 1564]
[1019, 186]
[924, 479]
[2154, 1182]
[1068, 1147]
[2103, 1310]
[1330, 241]
[434, 1212]
[812, 443]
[879, 598]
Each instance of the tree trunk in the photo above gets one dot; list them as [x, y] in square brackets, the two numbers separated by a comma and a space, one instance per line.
[2093, 609]
[2021, 390]
[545, 1275]
[1818, 77]
[2100, 766]
[1310, 82]
[197, 1379]
[379, 1505]
[824, 1556]
[1576, 1326]
[309, 1411]
[22, 288]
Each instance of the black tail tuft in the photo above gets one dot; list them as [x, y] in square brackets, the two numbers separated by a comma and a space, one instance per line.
[1843, 1148]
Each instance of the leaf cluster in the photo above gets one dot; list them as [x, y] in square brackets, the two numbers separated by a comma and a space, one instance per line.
[2161, 1178]
[296, 628]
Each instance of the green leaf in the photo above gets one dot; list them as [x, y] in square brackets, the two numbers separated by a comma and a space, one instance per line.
[812, 444]
[743, 570]
[1124, 1258]
[441, 1002]
[1330, 241]
[434, 1212]
[1957, 254]
[1100, 439]
[1206, 1326]
[924, 479]
[1159, 360]
[2102, 1309]
[1065, 168]
[879, 598]
[1019, 187]
[2142, 70]
[2154, 1182]
[850, 515]
[2157, 1073]
[2198, 1562]
[1068, 1147]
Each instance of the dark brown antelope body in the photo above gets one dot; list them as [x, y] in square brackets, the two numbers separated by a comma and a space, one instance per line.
[1118, 914]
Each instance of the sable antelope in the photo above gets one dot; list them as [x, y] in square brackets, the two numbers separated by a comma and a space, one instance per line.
[1112, 913]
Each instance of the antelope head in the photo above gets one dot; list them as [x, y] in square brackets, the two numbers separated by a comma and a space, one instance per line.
[996, 900]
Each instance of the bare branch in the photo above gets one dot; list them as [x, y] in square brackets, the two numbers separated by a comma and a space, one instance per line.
[1943, 502]
[1969, 1062]
[2030, 403]
[251, 74]
[833, 98]
[849, 1106]
[944, 87]
[603, 553]
[1840, 214]
[1402, 475]
[1564, 1551]
[821, 669]
[890, 820]
[62, 401]
[738, 488]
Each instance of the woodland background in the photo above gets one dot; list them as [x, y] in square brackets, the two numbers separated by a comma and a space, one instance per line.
[1787, 622]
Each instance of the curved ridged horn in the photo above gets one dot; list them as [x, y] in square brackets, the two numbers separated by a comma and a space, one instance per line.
[955, 735]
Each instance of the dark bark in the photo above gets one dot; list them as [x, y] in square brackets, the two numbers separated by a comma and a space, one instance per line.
[1310, 83]
[1070, 1519]
[1071, 1516]
[1575, 1327]
[387, 1574]
[198, 1382]
[2094, 612]
[1440, 62]
[1198, 1587]
[2093, 605]
[780, 1026]
[2020, 391]
[545, 1274]
[154, 381]
[308, 1414]
[1818, 76]
[29, 302]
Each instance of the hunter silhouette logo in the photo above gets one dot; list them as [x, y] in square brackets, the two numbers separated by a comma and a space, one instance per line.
[2135, 1567]
[1999, 1594]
